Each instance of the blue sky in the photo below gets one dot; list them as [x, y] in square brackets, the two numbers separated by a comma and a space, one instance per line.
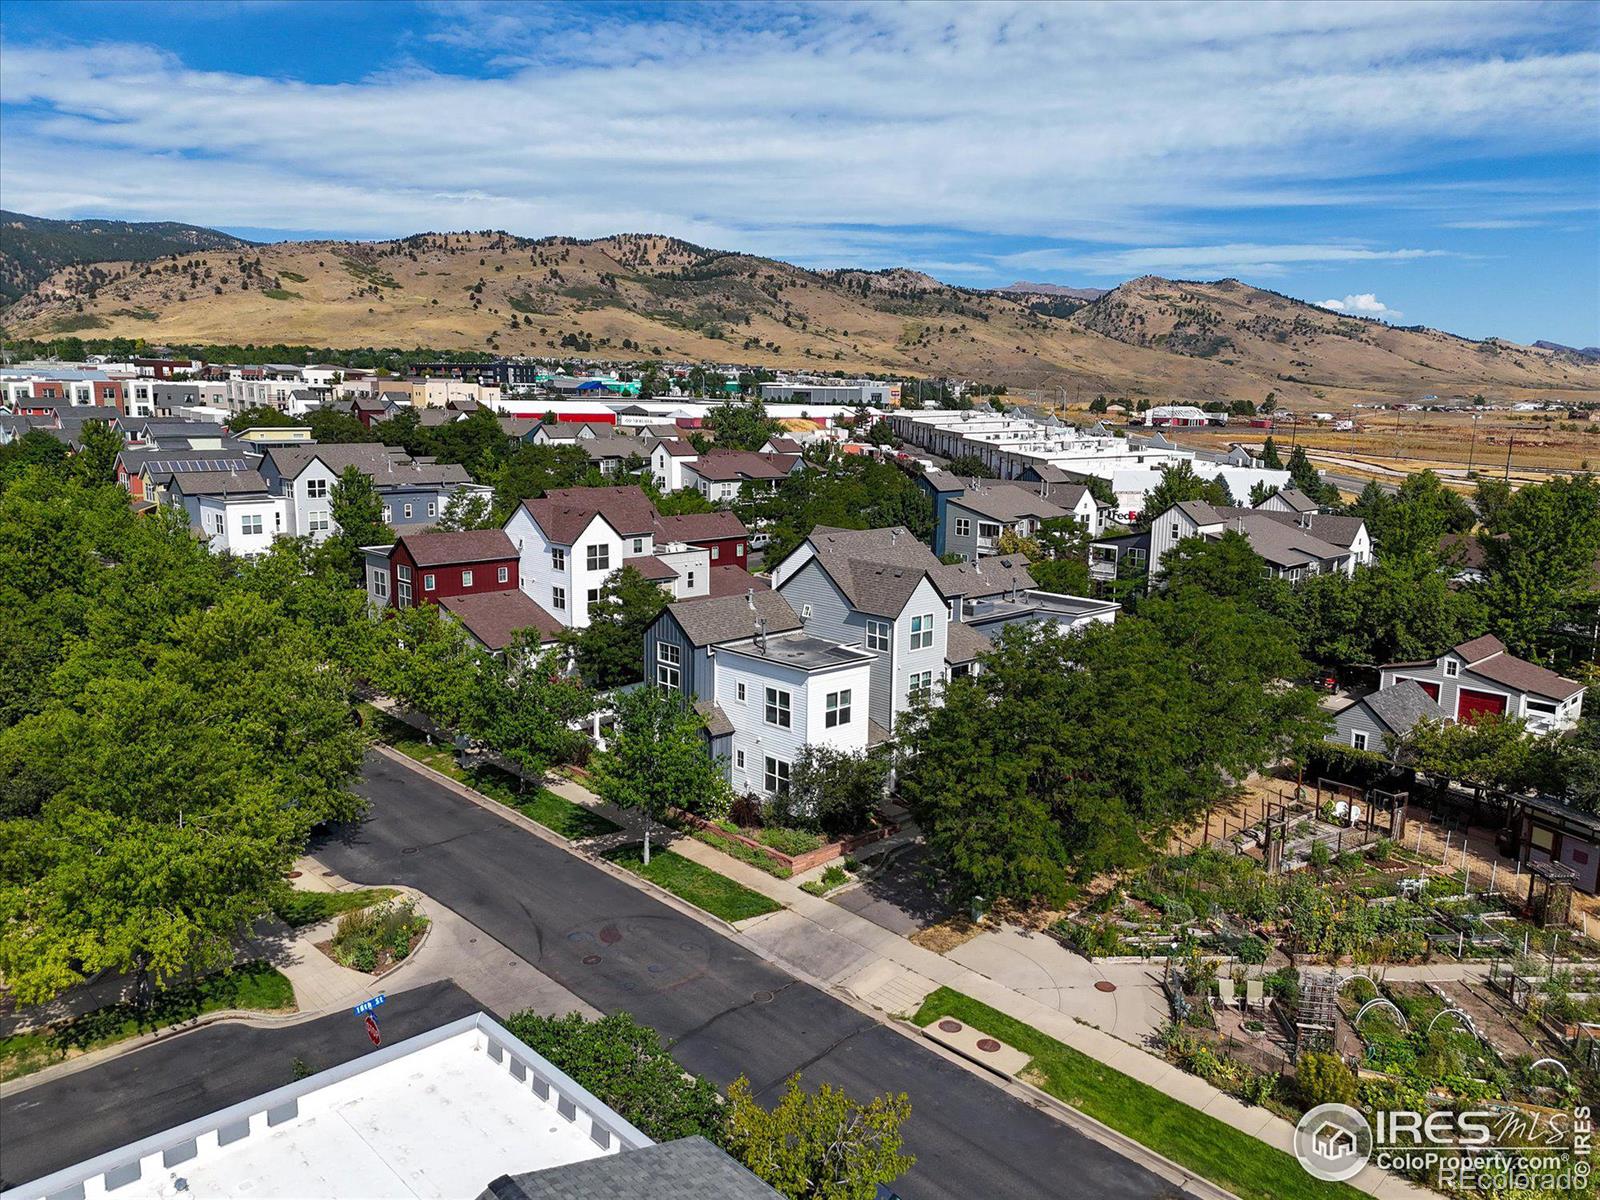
[1431, 164]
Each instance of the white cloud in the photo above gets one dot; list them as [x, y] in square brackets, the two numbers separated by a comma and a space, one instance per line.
[1363, 305]
[820, 133]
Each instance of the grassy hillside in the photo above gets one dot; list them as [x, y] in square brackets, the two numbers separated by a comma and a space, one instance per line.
[635, 296]
[34, 248]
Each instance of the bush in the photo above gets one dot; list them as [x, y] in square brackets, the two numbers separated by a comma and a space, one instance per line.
[1381, 850]
[1324, 1079]
[789, 841]
[831, 791]
[364, 935]
[1321, 856]
[1252, 951]
[624, 1064]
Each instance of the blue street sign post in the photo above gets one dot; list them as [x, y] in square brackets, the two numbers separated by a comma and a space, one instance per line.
[367, 1006]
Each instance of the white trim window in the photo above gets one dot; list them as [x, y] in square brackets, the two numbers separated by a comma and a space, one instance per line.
[837, 710]
[428, 582]
[919, 685]
[638, 545]
[558, 559]
[716, 553]
[738, 759]
[380, 584]
[922, 632]
[1452, 668]
[433, 508]
[406, 511]
[1358, 740]
[963, 526]
[738, 692]
[250, 523]
[402, 574]
[317, 522]
[503, 575]
[597, 558]
[878, 635]
[388, 513]
[316, 489]
[778, 711]
[466, 578]
[775, 776]
[558, 598]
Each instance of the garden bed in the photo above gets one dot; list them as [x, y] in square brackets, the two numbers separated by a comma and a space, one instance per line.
[377, 939]
[791, 863]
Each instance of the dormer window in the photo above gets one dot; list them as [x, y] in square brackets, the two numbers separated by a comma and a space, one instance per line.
[1451, 668]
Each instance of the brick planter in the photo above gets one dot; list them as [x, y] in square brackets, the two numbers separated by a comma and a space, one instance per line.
[798, 862]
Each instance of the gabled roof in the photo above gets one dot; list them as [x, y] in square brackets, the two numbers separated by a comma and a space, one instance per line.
[964, 643]
[564, 513]
[651, 568]
[494, 617]
[728, 466]
[1008, 502]
[1486, 656]
[460, 546]
[730, 580]
[220, 483]
[700, 527]
[945, 481]
[784, 445]
[987, 577]
[1296, 500]
[717, 722]
[1400, 707]
[676, 447]
[1329, 527]
[876, 569]
[712, 620]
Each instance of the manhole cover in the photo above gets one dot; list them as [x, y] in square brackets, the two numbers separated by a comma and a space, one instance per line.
[988, 1044]
[611, 935]
[589, 960]
[950, 1026]
[688, 946]
[762, 997]
[578, 935]
[1105, 985]
[408, 850]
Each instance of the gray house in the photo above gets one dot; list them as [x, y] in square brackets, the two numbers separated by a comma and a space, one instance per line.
[1368, 722]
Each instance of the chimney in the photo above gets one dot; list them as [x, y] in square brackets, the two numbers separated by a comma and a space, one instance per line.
[761, 636]
[750, 598]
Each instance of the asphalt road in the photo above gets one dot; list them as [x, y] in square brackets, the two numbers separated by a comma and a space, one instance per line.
[74, 1117]
[726, 1011]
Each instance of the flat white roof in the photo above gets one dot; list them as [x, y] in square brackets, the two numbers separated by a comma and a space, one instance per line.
[440, 1115]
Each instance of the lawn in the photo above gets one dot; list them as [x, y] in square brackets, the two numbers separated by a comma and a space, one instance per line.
[254, 985]
[1242, 1164]
[700, 886]
[297, 909]
[572, 821]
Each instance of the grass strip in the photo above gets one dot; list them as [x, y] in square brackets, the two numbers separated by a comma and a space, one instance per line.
[700, 886]
[252, 985]
[297, 909]
[745, 854]
[1233, 1159]
[557, 814]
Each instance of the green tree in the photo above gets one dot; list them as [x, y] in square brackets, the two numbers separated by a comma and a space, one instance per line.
[329, 426]
[847, 491]
[1179, 483]
[35, 448]
[625, 1065]
[1541, 557]
[1260, 493]
[1269, 455]
[532, 470]
[1395, 610]
[833, 791]
[969, 466]
[98, 447]
[741, 424]
[1491, 752]
[1412, 521]
[1226, 567]
[425, 661]
[527, 707]
[609, 650]
[357, 513]
[467, 510]
[657, 760]
[819, 1145]
[1304, 477]
[262, 416]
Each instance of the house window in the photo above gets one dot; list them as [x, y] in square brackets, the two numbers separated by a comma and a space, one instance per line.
[403, 574]
[406, 512]
[922, 632]
[778, 708]
[250, 523]
[877, 635]
[716, 553]
[1174, 531]
[805, 612]
[316, 489]
[667, 677]
[638, 545]
[738, 549]
[598, 558]
[963, 527]
[838, 709]
[776, 777]
[690, 577]
[669, 652]
[380, 584]
[558, 597]
[388, 513]
[738, 691]
[1451, 668]
[427, 582]
[433, 508]
[317, 522]
[738, 759]
[466, 579]
[594, 595]
[558, 559]
[988, 529]
[920, 685]
[1358, 740]
[503, 575]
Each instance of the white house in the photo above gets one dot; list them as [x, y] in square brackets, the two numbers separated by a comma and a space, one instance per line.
[1294, 547]
[1480, 677]
[719, 474]
[234, 510]
[668, 457]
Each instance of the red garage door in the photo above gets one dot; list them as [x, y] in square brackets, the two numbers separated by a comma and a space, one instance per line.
[1475, 704]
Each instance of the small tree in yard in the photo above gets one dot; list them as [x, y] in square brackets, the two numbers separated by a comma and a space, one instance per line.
[657, 760]
[525, 706]
[831, 790]
[607, 649]
[819, 1145]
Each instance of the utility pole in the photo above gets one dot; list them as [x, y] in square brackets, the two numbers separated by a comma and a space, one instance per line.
[1473, 446]
[1509, 445]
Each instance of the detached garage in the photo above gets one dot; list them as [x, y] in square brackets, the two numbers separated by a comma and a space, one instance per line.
[1479, 678]
[1472, 704]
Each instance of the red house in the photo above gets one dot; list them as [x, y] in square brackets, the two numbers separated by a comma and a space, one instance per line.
[421, 568]
[722, 533]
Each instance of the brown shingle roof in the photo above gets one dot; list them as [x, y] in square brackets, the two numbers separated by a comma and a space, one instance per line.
[710, 620]
[989, 578]
[700, 527]
[726, 466]
[730, 580]
[964, 643]
[494, 617]
[564, 513]
[651, 567]
[1486, 656]
[876, 569]
[461, 546]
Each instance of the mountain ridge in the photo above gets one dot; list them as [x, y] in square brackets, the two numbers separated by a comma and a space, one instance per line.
[636, 296]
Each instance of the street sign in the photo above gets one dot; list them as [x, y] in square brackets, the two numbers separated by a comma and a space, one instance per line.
[372, 1030]
[367, 1006]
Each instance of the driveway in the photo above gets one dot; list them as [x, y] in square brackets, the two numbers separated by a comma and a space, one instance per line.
[897, 897]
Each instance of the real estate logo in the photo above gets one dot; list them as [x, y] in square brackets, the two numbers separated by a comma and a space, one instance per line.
[1333, 1142]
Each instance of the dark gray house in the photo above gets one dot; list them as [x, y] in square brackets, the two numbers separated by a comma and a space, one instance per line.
[1368, 722]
